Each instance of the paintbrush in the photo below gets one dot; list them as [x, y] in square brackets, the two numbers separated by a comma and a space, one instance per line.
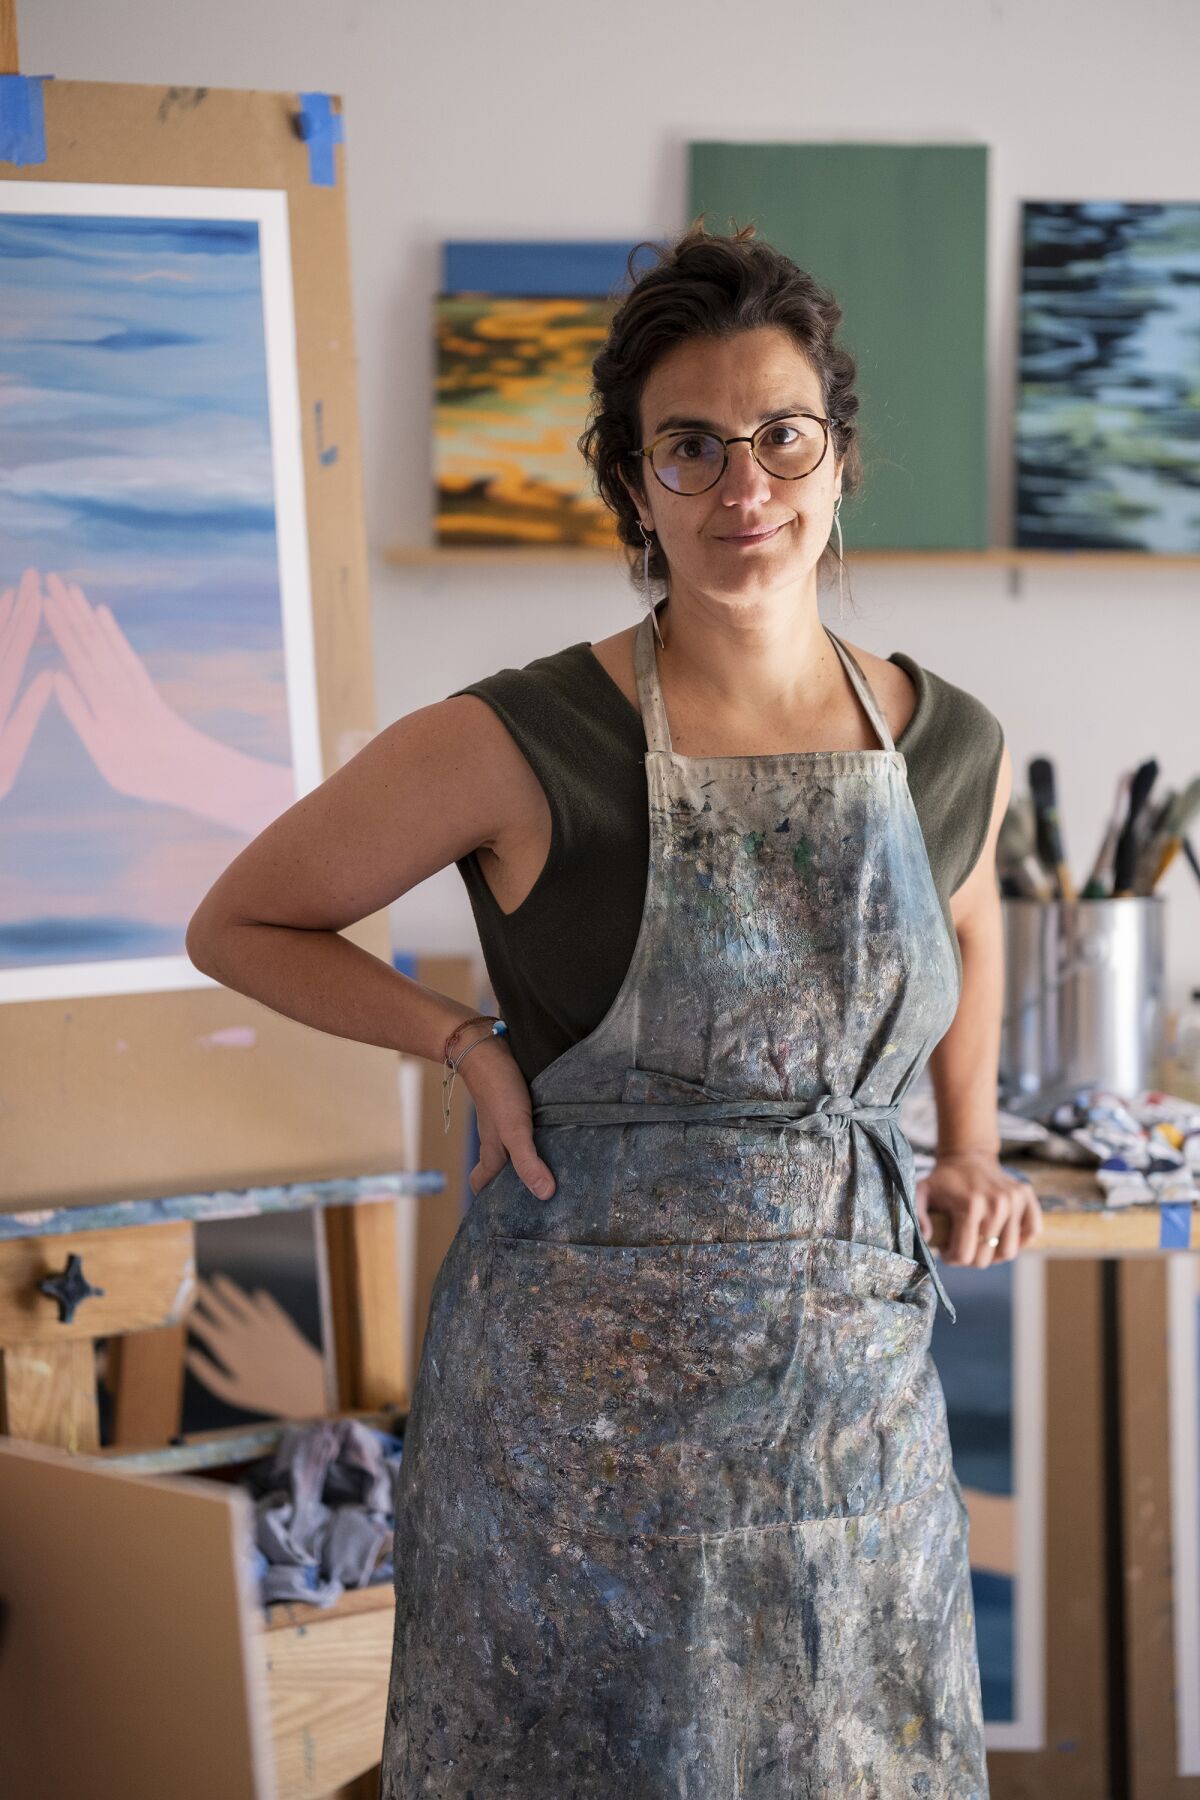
[1192, 860]
[1099, 883]
[1168, 839]
[1145, 775]
[1150, 835]
[1049, 829]
[1016, 861]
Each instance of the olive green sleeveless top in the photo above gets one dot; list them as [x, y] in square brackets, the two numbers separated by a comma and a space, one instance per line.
[555, 963]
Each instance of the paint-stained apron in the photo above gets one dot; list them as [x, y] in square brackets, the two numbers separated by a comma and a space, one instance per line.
[677, 1515]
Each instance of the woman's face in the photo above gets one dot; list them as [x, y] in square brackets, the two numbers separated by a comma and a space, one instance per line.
[731, 386]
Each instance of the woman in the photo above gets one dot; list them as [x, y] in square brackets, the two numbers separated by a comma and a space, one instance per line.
[677, 1511]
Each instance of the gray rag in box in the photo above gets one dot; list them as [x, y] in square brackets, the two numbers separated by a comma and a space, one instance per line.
[328, 1511]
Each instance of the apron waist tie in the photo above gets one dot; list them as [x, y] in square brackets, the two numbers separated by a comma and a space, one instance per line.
[825, 1116]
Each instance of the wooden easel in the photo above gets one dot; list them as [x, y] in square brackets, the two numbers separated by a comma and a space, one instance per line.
[140, 1251]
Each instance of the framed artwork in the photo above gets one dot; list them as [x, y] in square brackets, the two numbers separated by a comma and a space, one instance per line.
[992, 1367]
[898, 234]
[1107, 452]
[184, 634]
[158, 682]
[518, 327]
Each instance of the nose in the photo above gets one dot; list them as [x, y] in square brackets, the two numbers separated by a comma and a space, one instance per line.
[745, 482]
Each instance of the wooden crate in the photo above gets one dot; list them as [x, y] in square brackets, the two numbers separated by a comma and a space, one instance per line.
[134, 1646]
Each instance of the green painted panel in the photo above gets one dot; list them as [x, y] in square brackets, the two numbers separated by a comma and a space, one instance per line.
[898, 232]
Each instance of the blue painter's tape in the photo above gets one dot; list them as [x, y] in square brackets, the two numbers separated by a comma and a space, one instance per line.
[406, 962]
[22, 120]
[321, 128]
[1175, 1226]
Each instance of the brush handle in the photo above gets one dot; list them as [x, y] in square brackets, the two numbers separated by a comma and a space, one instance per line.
[1125, 866]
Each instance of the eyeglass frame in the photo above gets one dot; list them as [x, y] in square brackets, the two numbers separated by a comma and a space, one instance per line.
[675, 431]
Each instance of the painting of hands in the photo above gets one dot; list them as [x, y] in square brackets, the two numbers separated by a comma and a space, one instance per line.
[259, 1360]
[138, 743]
[158, 701]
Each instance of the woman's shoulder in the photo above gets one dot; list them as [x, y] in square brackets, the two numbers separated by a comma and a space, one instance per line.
[945, 716]
[565, 695]
[920, 705]
[952, 746]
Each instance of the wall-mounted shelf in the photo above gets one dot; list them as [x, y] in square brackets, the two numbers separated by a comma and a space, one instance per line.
[438, 556]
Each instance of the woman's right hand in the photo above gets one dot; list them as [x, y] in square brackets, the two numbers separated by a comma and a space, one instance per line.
[504, 1112]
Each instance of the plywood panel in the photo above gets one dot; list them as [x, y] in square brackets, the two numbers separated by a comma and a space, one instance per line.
[132, 1665]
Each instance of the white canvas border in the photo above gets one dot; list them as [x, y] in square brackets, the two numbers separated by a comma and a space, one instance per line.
[1027, 1729]
[1183, 1297]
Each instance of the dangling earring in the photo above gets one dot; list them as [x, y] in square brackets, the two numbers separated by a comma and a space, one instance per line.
[646, 540]
[837, 507]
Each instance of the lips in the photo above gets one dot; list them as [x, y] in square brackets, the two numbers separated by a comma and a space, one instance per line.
[750, 537]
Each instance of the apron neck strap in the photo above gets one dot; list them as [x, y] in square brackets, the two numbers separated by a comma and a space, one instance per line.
[654, 712]
[862, 688]
[645, 664]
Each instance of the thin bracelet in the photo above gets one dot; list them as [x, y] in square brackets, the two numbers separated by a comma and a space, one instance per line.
[498, 1029]
[475, 1019]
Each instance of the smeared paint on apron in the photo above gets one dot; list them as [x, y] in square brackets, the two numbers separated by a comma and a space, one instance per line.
[677, 1513]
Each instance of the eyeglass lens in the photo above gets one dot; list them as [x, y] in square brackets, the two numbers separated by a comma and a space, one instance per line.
[689, 462]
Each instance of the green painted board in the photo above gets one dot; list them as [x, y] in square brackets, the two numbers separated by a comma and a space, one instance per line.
[898, 232]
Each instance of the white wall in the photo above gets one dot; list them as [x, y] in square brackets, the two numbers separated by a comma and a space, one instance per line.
[547, 118]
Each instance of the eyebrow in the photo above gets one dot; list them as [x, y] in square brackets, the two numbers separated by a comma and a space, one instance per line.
[676, 422]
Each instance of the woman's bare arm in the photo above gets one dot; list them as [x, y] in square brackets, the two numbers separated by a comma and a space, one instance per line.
[967, 1180]
[428, 789]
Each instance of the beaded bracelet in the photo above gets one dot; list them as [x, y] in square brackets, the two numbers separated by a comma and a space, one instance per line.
[498, 1029]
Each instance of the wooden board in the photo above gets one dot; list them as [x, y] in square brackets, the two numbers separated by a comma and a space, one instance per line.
[124, 1096]
[328, 1682]
[1150, 1559]
[130, 1665]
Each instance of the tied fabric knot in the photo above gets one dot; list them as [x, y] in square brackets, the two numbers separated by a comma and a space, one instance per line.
[649, 1096]
[835, 1111]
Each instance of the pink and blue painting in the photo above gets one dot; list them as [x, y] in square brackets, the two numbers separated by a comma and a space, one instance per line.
[157, 689]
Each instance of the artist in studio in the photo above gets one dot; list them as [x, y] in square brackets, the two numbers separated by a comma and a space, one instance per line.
[677, 1509]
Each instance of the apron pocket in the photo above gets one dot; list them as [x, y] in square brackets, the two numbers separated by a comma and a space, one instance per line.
[702, 1387]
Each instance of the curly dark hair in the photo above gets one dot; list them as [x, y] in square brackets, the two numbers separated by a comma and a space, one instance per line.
[705, 284]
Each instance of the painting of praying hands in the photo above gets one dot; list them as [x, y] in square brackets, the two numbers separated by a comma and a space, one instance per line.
[157, 689]
[137, 741]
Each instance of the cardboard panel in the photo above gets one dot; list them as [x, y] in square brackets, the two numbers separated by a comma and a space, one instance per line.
[130, 1662]
[129, 1095]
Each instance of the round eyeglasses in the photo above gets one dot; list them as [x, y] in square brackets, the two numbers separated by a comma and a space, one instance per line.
[689, 462]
